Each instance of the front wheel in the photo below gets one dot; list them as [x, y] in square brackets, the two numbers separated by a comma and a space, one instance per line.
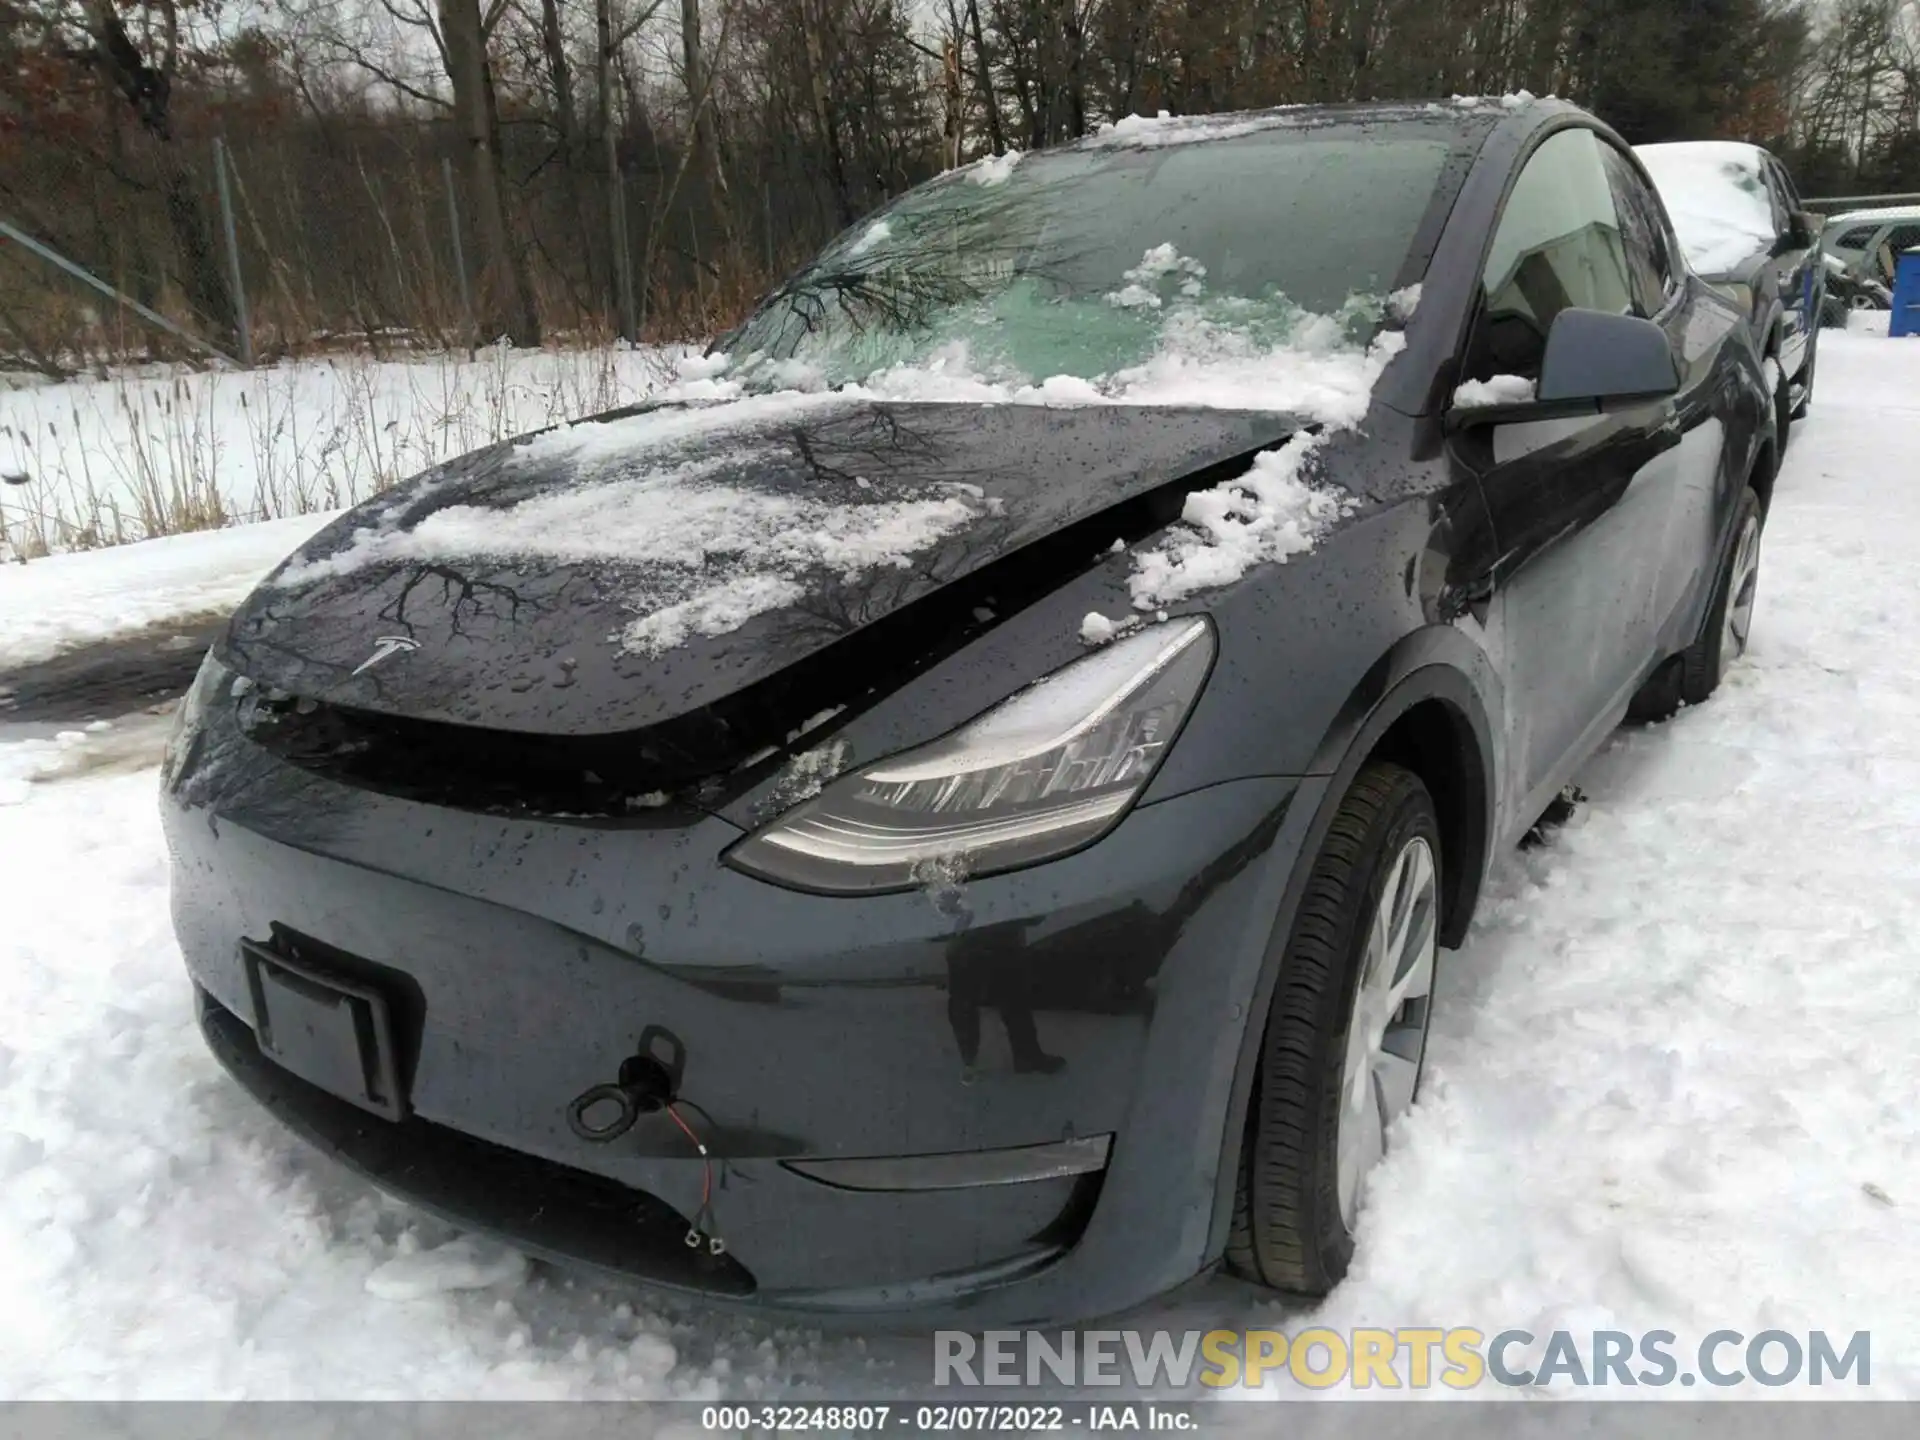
[1346, 1037]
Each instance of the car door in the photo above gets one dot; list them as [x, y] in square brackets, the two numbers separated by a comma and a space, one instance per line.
[1791, 273]
[1583, 508]
[1698, 325]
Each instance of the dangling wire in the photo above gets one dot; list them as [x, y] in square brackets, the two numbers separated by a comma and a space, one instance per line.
[703, 1221]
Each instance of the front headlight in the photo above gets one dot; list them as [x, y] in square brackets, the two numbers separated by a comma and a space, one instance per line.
[1046, 771]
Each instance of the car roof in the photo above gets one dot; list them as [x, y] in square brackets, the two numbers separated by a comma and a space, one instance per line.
[1859, 217]
[1735, 150]
[1716, 196]
[1469, 113]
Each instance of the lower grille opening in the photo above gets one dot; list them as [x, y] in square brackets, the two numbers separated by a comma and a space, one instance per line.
[547, 1209]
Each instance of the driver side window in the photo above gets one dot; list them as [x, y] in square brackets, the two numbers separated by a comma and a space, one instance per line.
[1557, 246]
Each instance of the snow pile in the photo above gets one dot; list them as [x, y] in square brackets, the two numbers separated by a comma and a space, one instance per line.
[718, 609]
[1141, 291]
[461, 1264]
[705, 556]
[1266, 515]
[876, 232]
[1513, 100]
[1494, 390]
[1166, 128]
[1717, 197]
[61, 602]
[26, 763]
[1097, 629]
[994, 169]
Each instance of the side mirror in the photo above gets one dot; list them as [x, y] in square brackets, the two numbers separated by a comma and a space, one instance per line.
[1594, 356]
[1591, 358]
[1801, 233]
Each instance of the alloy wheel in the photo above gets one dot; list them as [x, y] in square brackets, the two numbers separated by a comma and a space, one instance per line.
[1387, 1034]
[1742, 581]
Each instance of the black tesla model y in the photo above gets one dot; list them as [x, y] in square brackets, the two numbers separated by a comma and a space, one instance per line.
[953, 807]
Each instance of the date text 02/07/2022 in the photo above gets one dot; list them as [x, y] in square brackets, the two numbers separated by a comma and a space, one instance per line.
[944, 1418]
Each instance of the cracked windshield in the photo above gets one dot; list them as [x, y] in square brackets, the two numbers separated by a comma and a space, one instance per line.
[1090, 262]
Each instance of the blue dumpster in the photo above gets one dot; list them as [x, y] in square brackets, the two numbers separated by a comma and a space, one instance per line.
[1906, 294]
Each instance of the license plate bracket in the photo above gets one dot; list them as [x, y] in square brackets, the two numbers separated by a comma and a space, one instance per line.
[329, 1029]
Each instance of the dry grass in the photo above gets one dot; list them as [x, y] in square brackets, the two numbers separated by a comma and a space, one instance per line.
[153, 451]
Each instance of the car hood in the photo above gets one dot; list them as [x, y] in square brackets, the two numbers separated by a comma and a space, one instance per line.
[624, 571]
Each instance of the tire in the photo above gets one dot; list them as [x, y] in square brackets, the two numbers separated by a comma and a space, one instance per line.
[1782, 405]
[1659, 697]
[1294, 1205]
[1696, 672]
[1704, 663]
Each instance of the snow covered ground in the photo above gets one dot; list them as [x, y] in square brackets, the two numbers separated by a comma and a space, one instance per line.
[126, 452]
[62, 602]
[1672, 1082]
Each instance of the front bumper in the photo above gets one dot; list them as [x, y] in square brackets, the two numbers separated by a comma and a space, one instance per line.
[1102, 994]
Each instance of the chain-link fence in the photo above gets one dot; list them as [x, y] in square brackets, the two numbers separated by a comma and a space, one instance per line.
[301, 231]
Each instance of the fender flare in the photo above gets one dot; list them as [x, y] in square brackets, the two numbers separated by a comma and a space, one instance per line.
[1438, 662]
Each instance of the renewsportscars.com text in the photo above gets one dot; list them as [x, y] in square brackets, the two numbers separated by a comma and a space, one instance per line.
[1409, 1358]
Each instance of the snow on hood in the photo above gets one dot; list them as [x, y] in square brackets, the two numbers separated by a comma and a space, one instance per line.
[1717, 196]
[710, 554]
[1267, 516]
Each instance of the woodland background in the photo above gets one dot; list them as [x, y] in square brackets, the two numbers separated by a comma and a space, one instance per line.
[643, 168]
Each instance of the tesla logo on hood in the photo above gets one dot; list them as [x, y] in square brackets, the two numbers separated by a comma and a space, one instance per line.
[385, 646]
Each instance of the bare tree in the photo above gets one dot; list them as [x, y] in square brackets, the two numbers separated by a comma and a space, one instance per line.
[755, 128]
[505, 298]
[147, 89]
[826, 112]
[703, 122]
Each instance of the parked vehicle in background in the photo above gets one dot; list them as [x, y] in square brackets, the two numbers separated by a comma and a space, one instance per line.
[1849, 289]
[1743, 229]
[1864, 243]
